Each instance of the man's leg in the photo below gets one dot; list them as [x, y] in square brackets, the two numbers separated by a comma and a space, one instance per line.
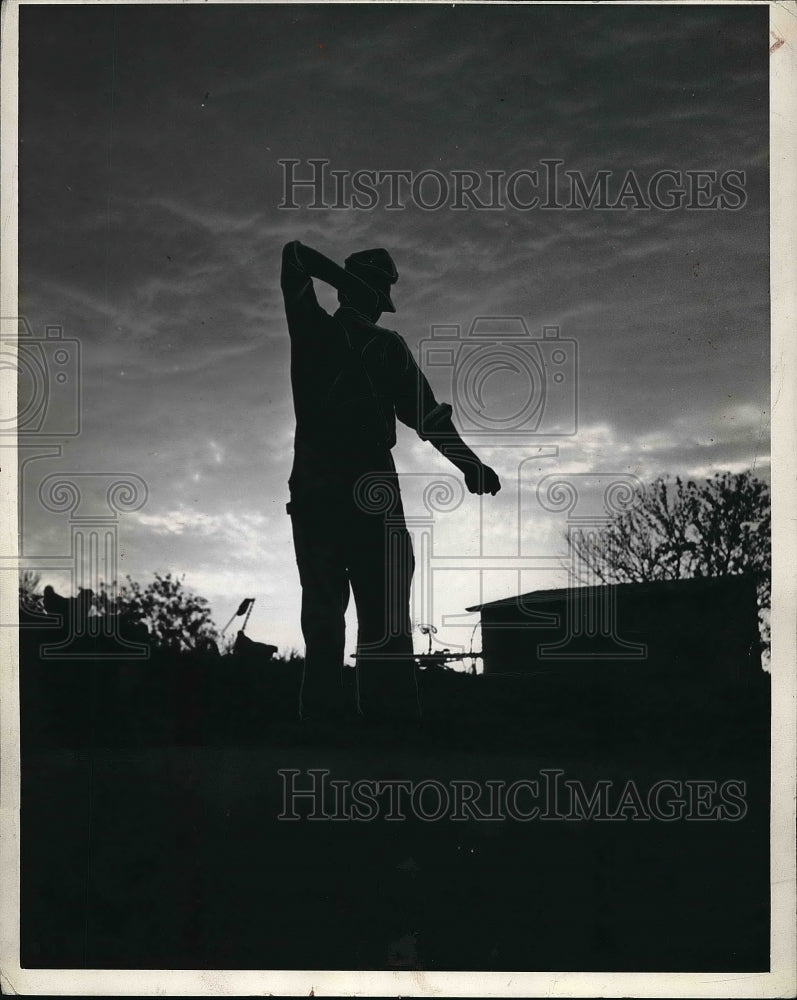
[325, 596]
[381, 565]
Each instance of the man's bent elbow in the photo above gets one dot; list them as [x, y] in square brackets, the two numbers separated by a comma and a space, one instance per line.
[291, 265]
[290, 255]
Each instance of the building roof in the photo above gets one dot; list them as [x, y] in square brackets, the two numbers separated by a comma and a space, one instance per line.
[662, 586]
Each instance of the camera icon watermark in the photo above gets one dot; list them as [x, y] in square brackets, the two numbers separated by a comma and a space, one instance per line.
[48, 376]
[91, 625]
[503, 381]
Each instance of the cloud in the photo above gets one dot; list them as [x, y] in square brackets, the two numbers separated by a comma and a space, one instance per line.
[154, 238]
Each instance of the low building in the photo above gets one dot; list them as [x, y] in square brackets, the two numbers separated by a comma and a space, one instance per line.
[705, 629]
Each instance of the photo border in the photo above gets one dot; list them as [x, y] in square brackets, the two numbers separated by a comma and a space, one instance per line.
[782, 979]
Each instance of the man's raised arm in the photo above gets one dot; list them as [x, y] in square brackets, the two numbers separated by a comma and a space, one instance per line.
[300, 264]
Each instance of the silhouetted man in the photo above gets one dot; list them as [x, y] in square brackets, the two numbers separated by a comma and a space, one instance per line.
[350, 380]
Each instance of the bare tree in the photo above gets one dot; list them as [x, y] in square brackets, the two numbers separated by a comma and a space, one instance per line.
[679, 529]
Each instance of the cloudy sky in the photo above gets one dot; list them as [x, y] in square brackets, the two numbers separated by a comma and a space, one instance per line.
[150, 231]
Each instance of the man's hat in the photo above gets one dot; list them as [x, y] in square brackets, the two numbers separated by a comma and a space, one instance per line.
[375, 268]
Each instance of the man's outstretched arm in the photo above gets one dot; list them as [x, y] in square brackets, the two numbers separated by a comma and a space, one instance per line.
[300, 264]
[417, 407]
[479, 478]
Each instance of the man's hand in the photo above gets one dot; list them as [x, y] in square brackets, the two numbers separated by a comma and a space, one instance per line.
[481, 479]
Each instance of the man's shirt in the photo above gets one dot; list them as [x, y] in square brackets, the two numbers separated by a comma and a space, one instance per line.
[350, 380]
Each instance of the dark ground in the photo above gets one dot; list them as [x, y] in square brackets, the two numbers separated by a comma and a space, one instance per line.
[149, 834]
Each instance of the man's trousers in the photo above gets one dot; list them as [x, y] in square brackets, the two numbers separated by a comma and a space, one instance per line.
[355, 537]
